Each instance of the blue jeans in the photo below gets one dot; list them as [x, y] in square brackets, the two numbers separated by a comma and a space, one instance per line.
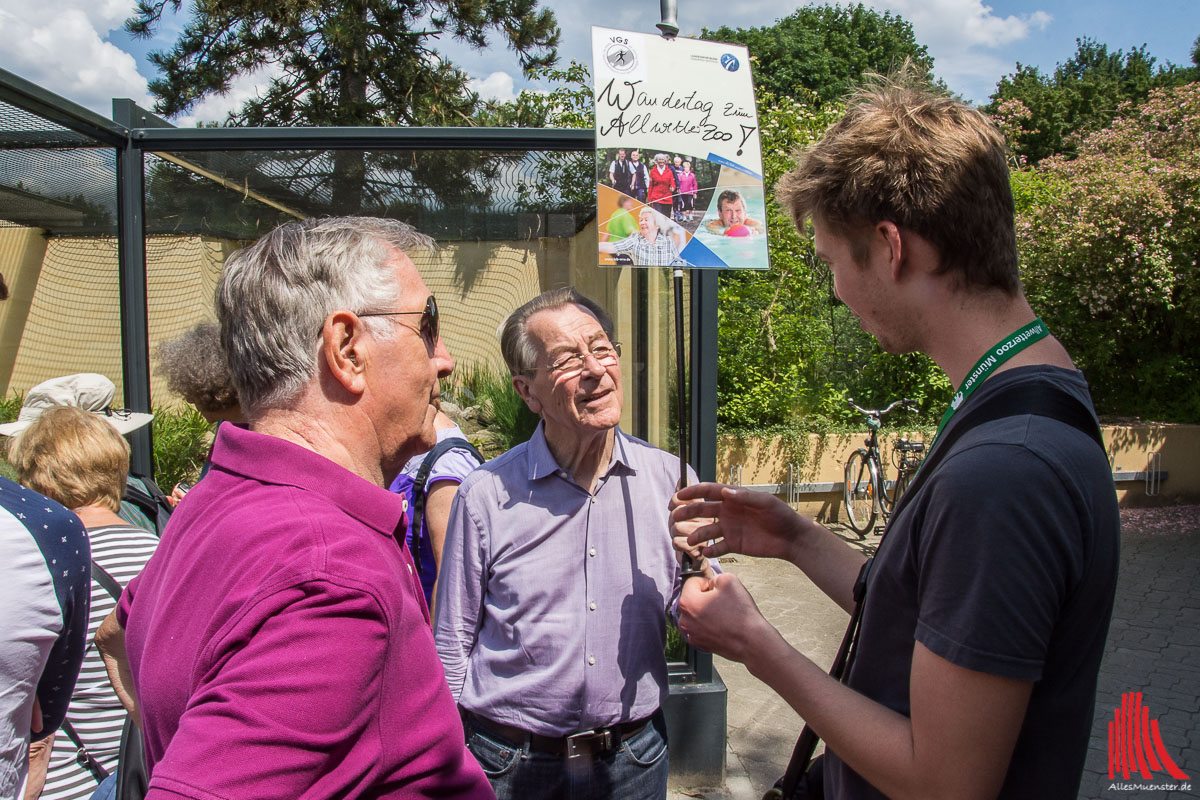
[107, 790]
[635, 770]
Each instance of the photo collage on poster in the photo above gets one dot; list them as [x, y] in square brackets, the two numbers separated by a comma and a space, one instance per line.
[677, 166]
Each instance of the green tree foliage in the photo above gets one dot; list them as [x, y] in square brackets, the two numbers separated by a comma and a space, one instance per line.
[790, 352]
[560, 181]
[1109, 244]
[826, 49]
[569, 103]
[1048, 113]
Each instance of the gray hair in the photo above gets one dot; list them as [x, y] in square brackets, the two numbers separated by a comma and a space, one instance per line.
[518, 349]
[195, 367]
[273, 297]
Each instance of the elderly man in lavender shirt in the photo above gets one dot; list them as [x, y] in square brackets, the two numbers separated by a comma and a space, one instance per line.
[557, 576]
[277, 643]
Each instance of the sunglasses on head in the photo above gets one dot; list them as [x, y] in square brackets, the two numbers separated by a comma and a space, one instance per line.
[427, 327]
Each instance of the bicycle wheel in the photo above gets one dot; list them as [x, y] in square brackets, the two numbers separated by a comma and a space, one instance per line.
[902, 480]
[858, 493]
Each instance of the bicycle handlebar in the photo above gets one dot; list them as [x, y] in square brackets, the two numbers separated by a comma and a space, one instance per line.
[880, 412]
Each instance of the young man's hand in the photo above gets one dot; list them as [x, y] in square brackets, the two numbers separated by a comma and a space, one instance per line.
[741, 520]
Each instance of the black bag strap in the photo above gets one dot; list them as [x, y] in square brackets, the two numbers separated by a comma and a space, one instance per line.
[1017, 400]
[422, 478]
[106, 581]
[807, 743]
[82, 756]
[1013, 401]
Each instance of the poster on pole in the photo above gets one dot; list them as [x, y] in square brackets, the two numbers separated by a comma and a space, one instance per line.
[678, 157]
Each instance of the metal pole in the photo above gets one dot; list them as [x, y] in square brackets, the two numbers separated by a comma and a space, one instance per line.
[131, 268]
[681, 379]
[703, 373]
[669, 25]
[691, 566]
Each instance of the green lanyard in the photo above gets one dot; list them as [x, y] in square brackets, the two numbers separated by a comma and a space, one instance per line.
[996, 355]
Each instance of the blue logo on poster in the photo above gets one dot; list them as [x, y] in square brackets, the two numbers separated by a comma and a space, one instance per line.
[729, 61]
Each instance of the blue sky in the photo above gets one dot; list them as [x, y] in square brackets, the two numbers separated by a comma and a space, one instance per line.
[80, 51]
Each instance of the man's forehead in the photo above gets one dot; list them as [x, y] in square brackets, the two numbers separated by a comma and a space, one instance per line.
[408, 277]
[826, 242]
[563, 326]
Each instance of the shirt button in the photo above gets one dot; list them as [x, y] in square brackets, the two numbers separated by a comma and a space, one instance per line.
[593, 499]
[591, 660]
[592, 552]
[592, 606]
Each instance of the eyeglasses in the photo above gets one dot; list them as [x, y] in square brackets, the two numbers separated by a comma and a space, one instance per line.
[605, 353]
[428, 326]
[119, 413]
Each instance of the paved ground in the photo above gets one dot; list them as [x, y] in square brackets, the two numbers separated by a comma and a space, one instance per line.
[1153, 647]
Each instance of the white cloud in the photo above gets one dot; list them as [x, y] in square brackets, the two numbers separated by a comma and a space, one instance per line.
[966, 39]
[216, 107]
[963, 24]
[496, 86]
[63, 50]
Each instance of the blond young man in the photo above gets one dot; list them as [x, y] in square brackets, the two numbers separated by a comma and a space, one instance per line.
[987, 606]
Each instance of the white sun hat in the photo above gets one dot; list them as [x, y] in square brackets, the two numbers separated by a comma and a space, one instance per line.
[86, 390]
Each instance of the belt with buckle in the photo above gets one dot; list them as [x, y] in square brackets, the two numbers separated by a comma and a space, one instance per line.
[590, 742]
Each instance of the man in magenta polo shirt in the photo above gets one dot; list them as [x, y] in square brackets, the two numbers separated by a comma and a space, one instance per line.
[278, 644]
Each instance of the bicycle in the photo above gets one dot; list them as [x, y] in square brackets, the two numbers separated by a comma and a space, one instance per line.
[865, 492]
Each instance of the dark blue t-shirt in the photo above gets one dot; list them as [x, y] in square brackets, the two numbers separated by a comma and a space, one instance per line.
[1004, 563]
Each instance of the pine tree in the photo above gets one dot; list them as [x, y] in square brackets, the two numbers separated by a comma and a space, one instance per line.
[353, 62]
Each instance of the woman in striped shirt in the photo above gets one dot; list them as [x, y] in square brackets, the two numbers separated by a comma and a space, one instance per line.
[79, 459]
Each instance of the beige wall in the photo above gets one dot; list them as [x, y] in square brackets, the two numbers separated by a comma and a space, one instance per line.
[1178, 453]
[73, 319]
[64, 315]
[22, 251]
[1129, 447]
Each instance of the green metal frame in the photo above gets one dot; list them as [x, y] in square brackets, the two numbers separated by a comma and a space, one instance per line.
[19, 92]
[182, 139]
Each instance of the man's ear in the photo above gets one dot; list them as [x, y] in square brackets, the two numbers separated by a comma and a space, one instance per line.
[891, 238]
[344, 347]
[521, 385]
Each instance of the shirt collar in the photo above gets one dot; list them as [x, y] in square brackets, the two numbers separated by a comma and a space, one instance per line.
[272, 460]
[542, 462]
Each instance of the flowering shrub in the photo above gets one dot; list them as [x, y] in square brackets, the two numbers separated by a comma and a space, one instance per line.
[1109, 244]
